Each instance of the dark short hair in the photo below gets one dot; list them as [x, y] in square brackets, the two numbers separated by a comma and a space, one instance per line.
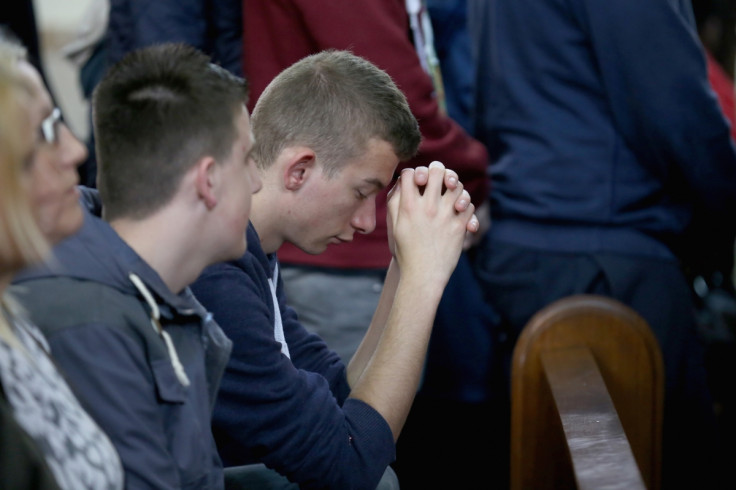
[156, 113]
[334, 102]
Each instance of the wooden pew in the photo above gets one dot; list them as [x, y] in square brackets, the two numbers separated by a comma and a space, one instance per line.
[587, 389]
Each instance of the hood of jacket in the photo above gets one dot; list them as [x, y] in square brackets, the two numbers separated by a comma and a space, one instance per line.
[97, 253]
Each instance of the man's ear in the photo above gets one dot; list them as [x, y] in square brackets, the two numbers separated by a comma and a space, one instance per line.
[206, 179]
[300, 163]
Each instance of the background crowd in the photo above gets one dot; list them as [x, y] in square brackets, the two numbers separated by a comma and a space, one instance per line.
[596, 142]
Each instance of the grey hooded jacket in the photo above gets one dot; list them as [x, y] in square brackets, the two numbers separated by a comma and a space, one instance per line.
[96, 302]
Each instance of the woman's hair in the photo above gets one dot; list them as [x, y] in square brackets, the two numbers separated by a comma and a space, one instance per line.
[21, 240]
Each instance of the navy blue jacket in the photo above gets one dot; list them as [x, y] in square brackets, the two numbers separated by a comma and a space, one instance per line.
[100, 332]
[213, 26]
[292, 414]
[602, 128]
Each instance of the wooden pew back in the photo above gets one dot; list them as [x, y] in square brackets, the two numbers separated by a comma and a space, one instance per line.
[587, 389]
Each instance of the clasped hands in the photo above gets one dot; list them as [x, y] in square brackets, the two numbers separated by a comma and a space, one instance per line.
[429, 214]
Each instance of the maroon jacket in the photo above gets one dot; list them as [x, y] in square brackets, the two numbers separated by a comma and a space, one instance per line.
[278, 33]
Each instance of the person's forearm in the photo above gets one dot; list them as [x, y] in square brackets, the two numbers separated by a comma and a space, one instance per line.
[390, 379]
[428, 230]
[368, 345]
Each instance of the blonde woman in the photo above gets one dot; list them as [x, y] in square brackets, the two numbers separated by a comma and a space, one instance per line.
[38, 207]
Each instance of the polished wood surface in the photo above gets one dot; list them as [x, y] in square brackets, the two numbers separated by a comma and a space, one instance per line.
[600, 451]
[620, 347]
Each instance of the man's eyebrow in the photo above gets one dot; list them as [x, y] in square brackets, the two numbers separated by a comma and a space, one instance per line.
[375, 183]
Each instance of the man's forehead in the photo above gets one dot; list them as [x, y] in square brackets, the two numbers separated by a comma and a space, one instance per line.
[376, 173]
[382, 162]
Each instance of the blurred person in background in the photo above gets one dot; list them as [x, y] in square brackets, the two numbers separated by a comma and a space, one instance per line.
[607, 145]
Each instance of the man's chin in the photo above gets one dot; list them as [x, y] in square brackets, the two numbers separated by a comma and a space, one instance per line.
[316, 248]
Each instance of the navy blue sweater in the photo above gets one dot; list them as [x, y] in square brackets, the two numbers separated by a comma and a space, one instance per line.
[293, 413]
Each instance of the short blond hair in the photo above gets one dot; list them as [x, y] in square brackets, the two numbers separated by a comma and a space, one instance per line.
[21, 240]
[333, 102]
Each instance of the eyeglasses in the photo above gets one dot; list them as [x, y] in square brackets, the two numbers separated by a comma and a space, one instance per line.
[49, 126]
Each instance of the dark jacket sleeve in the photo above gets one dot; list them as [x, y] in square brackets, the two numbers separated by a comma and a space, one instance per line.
[654, 71]
[309, 352]
[270, 411]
